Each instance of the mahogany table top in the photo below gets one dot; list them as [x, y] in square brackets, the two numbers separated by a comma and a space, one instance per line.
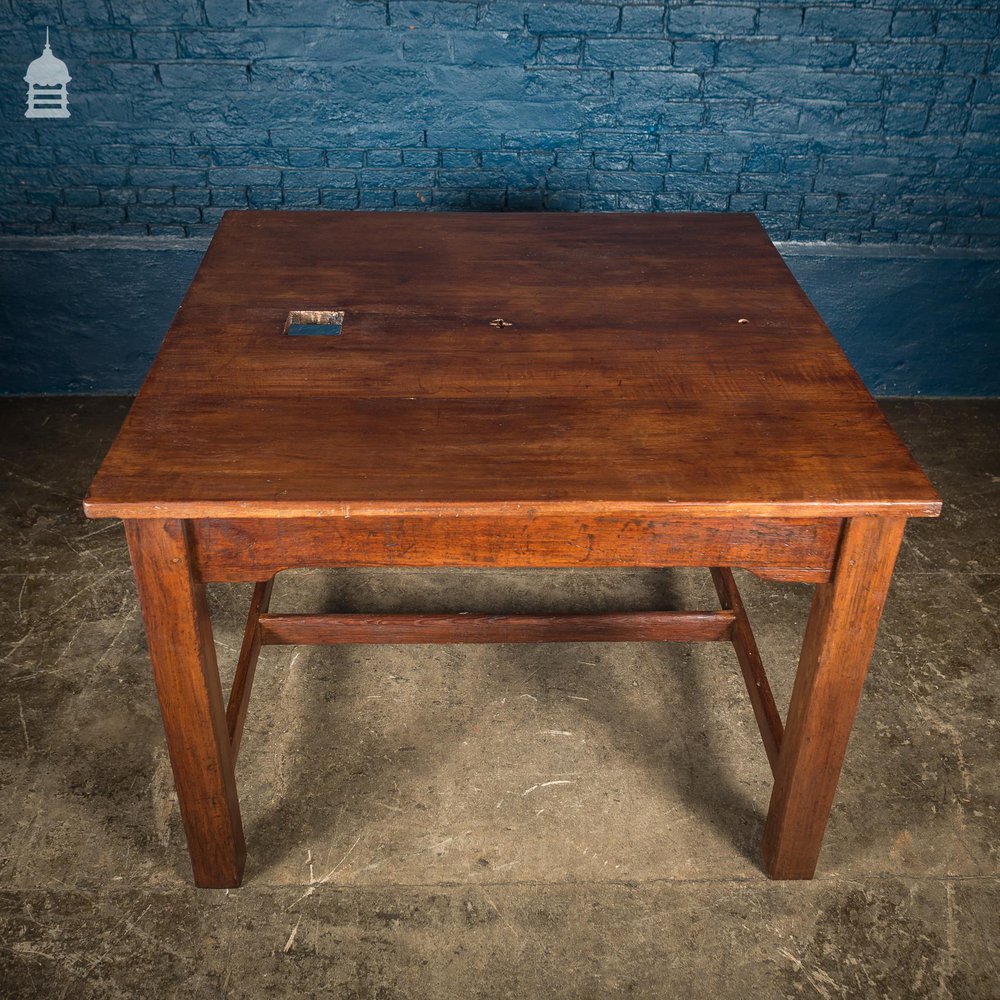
[502, 363]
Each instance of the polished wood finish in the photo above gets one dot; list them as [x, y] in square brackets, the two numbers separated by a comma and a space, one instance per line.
[251, 549]
[179, 630]
[631, 626]
[505, 390]
[761, 700]
[839, 640]
[625, 384]
[246, 665]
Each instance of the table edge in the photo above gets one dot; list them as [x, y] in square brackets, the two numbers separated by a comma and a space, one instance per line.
[96, 507]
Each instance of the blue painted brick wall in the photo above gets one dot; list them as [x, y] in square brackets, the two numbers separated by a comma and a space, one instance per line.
[832, 120]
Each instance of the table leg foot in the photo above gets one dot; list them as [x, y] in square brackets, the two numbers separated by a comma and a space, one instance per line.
[179, 632]
[838, 644]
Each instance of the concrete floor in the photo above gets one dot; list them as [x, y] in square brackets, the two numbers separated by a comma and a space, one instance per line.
[507, 821]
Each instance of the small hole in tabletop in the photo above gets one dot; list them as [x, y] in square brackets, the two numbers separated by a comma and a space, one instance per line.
[314, 323]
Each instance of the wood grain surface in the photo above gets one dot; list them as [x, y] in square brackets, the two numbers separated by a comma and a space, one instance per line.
[256, 548]
[662, 363]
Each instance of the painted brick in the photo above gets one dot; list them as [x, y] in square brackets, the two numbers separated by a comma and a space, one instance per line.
[149, 13]
[652, 162]
[986, 120]
[224, 197]
[726, 163]
[502, 15]
[968, 23]
[411, 199]
[175, 214]
[180, 110]
[506, 159]
[562, 84]
[49, 196]
[306, 198]
[130, 77]
[705, 201]
[114, 44]
[241, 45]
[572, 18]
[574, 160]
[694, 55]
[700, 183]
[191, 196]
[559, 51]
[645, 91]
[118, 196]
[336, 198]
[572, 179]
[154, 45]
[709, 19]
[612, 161]
[797, 52]
[780, 21]
[220, 77]
[83, 197]
[459, 158]
[471, 179]
[384, 158]
[427, 13]
[224, 13]
[78, 12]
[267, 197]
[679, 116]
[313, 14]
[319, 178]
[846, 21]
[530, 139]
[912, 23]
[235, 176]
[537, 159]
[746, 203]
[805, 83]
[421, 157]
[691, 161]
[609, 139]
[899, 56]
[523, 201]
[771, 117]
[389, 179]
[965, 58]
[906, 120]
[157, 196]
[564, 201]
[642, 20]
[596, 201]
[636, 202]
[629, 52]
[450, 199]
[672, 201]
[247, 156]
[346, 158]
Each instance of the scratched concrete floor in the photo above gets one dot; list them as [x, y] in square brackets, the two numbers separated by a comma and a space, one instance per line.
[520, 821]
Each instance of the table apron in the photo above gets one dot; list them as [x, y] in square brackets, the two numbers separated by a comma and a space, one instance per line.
[248, 549]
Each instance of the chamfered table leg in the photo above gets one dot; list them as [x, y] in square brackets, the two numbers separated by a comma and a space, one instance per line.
[179, 631]
[838, 644]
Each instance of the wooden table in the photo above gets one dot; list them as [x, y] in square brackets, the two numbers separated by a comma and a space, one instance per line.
[505, 390]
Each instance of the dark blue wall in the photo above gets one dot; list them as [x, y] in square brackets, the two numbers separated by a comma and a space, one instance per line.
[834, 120]
[870, 125]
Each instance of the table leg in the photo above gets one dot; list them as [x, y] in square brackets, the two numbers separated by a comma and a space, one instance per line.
[838, 644]
[179, 632]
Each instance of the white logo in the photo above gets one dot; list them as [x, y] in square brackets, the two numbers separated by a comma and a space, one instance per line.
[47, 77]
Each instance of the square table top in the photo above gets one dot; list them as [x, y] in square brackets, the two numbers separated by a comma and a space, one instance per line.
[626, 364]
